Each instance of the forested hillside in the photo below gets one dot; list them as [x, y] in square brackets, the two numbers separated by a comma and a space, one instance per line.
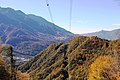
[83, 58]
[28, 33]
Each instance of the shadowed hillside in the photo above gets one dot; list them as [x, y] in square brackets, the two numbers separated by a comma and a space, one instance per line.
[27, 33]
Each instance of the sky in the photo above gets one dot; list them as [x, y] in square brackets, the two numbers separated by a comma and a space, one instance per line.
[87, 15]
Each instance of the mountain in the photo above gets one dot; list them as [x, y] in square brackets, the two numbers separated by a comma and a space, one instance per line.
[28, 33]
[110, 35]
[76, 60]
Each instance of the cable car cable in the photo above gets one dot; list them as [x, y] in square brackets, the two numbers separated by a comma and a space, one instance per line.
[49, 10]
[70, 17]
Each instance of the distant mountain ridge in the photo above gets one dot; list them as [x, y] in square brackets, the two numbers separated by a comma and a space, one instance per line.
[109, 35]
[31, 22]
[28, 33]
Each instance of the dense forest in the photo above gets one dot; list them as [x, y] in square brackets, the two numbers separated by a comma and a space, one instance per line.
[83, 58]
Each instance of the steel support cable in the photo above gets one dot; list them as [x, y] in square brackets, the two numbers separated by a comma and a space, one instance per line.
[70, 17]
[49, 10]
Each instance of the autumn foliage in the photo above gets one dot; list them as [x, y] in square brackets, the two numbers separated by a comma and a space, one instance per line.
[22, 76]
[100, 68]
[83, 58]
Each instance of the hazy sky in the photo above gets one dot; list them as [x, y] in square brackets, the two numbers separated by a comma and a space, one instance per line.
[87, 16]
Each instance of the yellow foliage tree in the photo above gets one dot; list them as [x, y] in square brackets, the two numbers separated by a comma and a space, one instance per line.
[103, 68]
[1, 61]
[22, 76]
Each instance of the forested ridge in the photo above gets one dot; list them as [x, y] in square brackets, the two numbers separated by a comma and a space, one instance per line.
[83, 58]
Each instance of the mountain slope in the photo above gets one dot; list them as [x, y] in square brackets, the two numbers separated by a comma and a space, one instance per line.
[69, 61]
[27, 33]
[110, 35]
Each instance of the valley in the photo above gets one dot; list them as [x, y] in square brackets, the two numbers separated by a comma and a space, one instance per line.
[28, 33]
[32, 48]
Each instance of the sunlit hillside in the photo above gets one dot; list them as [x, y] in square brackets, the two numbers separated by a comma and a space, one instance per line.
[83, 58]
